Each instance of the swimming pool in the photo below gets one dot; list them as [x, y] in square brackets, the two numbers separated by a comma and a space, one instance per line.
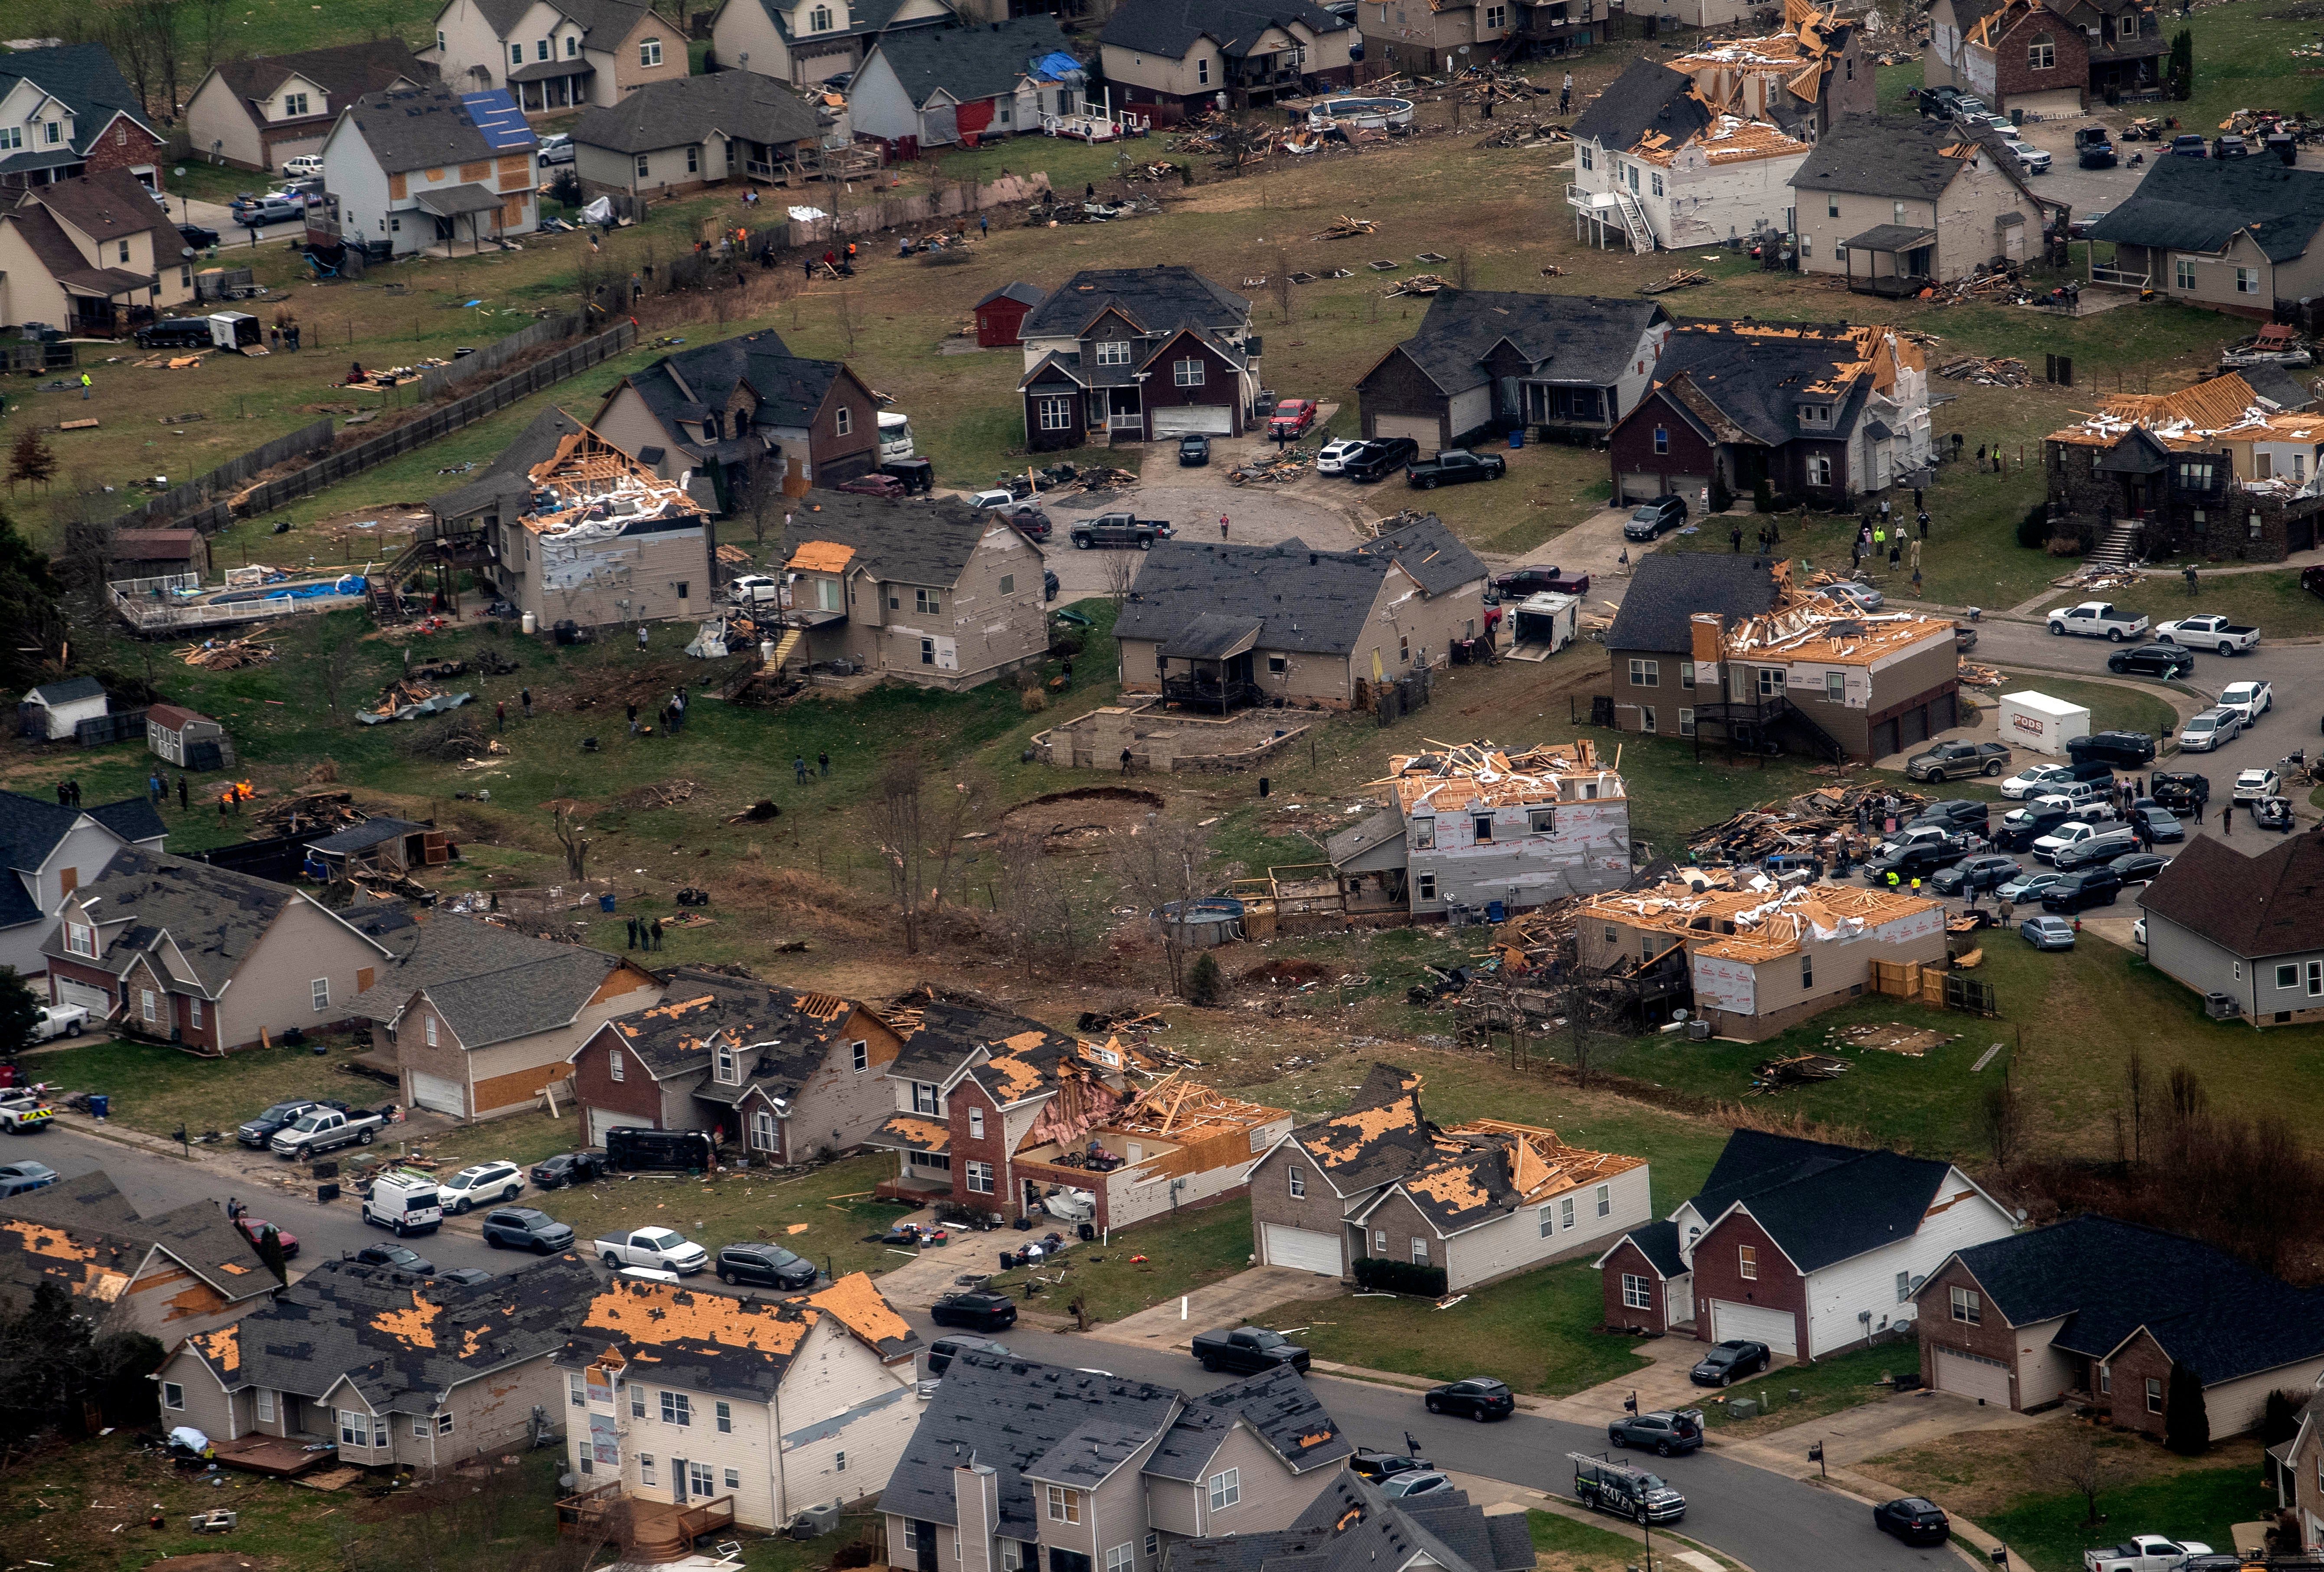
[1366, 113]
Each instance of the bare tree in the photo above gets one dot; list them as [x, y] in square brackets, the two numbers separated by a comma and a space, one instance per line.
[1033, 896]
[1120, 573]
[576, 845]
[1278, 284]
[2002, 1122]
[2135, 1084]
[762, 496]
[845, 306]
[2081, 1462]
[1160, 864]
[338, 664]
[918, 841]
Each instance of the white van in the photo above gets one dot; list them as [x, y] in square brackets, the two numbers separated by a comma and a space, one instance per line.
[405, 1203]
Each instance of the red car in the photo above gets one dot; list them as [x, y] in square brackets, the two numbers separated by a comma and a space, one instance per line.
[253, 1228]
[1292, 418]
[874, 485]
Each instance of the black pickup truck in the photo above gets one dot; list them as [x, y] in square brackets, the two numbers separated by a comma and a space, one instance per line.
[1453, 467]
[1251, 1350]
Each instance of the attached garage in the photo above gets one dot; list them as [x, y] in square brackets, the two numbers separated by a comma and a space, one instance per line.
[95, 1000]
[1779, 1329]
[1968, 1375]
[1193, 421]
[1302, 1249]
[439, 1093]
[603, 1119]
[1423, 430]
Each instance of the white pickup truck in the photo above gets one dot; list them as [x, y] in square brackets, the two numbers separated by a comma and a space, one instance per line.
[656, 1249]
[2143, 1553]
[2208, 632]
[25, 1111]
[2098, 619]
[324, 1130]
[58, 1021]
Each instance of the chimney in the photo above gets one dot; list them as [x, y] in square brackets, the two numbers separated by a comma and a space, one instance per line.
[976, 1503]
[1707, 628]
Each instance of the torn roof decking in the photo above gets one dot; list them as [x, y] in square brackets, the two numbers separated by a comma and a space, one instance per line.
[1541, 1164]
[590, 483]
[1753, 926]
[1187, 1112]
[2221, 408]
[713, 1341]
[1454, 776]
[1808, 625]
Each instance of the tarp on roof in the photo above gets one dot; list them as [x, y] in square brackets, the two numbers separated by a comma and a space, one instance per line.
[1059, 67]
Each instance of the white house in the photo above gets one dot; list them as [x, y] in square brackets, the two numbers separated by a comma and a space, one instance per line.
[1656, 165]
[557, 55]
[417, 167]
[933, 87]
[801, 41]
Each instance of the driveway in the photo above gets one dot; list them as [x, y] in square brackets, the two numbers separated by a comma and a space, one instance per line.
[1221, 1304]
[1596, 546]
[1873, 1429]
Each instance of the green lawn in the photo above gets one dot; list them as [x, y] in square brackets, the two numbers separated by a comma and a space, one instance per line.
[2273, 601]
[2046, 1532]
[1561, 1544]
[1181, 1254]
[156, 1089]
[1845, 1381]
[2113, 706]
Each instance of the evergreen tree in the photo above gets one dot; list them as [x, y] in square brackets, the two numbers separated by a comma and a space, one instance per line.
[29, 609]
[19, 1008]
[2185, 1423]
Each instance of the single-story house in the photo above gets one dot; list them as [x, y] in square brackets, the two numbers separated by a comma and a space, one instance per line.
[2236, 235]
[678, 136]
[2243, 931]
[957, 83]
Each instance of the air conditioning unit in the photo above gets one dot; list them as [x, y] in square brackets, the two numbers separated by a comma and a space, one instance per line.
[2222, 1007]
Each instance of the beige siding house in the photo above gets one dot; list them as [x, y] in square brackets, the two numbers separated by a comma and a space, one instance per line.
[170, 1276]
[805, 42]
[256, 111]
[1167, 62]
[556, 56]
[1898, 206]
[92, 255]
[2218, 235]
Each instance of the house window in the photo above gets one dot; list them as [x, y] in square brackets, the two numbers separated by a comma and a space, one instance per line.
[1427, 886]
[2042, 54]
[976, 1124]
[1586, 161]
[145, 1004]
[1188, 373]
[1153, 1546]
[1065, 1505]
[294, 104]
[1647, 718]
[573, 48]
[1423, 835]
[540, 49]
[1114, 352]
[729, 1070]
[1969, 1307]
[1404, 648]
[650, 51]
[1484, 831]
[1548, 1222]
[1807, 244]
[1896, 212]
[319, 990]
[1904, 1286]
[980, 1178]
[927, 600]
[516, 54]
[1055, 414]
[912, 1535]
[1496, 17]
[1655, 181]
[2315, 978]
[439, 38]
[924, 1097]
[1807, 971]
[1542, 821]
[1645, 674]
[1299, 1183]
[762, 1131]
[1662, 439]
[637, 1402]
[1605, 1198]
[1379, 1242]
[1746, 1262]
[1686, 723]
[2195, 475]
[1819, 470]
[2185, 271]
[1119, 1559]
[1226, 1489]
[1202, 72]
[1008, 584]
[427, 1029]
[1835, 687]
[677, 1408]
[614, 1063]
[2246, 280]
[735, 1477]
[578, 1390]
[1630, 173]
[265, 1406]
[1637, 1293]
[644, 167]
[1565, 1212]
[2287, 977]
[700, 1479]
[1686, 673]
[819, 19]
[355, 1428]
[1832, 207]
[2154, 1394]
[1419, 1251]
[694, 165]
[645, 1468]
[863, 1055]
[79, 940]
[844, 421]
[174, 1396]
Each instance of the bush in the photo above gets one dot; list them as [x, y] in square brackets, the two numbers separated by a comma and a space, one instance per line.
[2186, 1422]
[1204, 983]
[1389, 1276]
[2033, 529]
[1763, 495]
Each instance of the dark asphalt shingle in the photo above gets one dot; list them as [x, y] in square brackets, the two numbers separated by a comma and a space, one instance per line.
[688, 109]
[1667, 588]
[1317, 602]
[968, 61]
[1170, 27]
[1648, 95]
[2202, 204]
[1430, 553]
[1160, 299]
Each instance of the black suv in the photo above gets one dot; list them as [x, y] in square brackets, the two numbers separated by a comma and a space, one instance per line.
[2163, 660]
[1648, 520]
[2092, 887]
[1665, 1432]
[1377, 1466]
[1914, 1521]
[176, 333]
[942, 1351]
[987, 1312]
[567, 1168]
[1911, 862]
[1381, 457]
[768, 1265]
[1194, 450]
[2125, 749]
[198, 236]
[1480, 1397]
[1727, 1361]
[525, 1228]
[1955, 814]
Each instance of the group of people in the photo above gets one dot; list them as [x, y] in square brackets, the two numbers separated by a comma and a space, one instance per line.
[673, 713]
[645, 932]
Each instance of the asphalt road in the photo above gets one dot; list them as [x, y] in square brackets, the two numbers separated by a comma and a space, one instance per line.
[1763, 1519]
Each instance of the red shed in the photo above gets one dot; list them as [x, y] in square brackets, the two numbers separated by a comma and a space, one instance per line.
[999, 314]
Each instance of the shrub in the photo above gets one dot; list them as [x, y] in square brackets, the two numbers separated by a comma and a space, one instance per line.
[2186, 1422]
[2033, 529]
[1204, 983]
[1763, 495]
[1032, 701]
[1387, 1276]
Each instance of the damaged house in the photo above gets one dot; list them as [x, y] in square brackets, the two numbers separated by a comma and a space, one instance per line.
[1895, 206]
[1000, 1113]
[1477, 826]
[1657, 163]
[723, 408]
[1354, 1527]
[186, 1271]
[1136, 355]
[1484, 1200]
[781, 1073]
[1814, 412]
[2217, 470]
[570, 529]
[2051, 56]
[1567, 366]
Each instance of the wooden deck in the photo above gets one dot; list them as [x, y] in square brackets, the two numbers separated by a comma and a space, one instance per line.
[647, 1530]
[277, 1456]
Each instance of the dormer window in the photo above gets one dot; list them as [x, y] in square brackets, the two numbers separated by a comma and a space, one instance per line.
[572, 45]
[56, 132]
[730, 1070]
[924, 1097]
[1114, 352]
[819, 19]
[294, 104]
[1815, 414]
[80, 940]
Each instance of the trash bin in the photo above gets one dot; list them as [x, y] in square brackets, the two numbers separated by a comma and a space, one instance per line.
[1496, 913]
[605, 902]
[100, 1104]
[1517, 436]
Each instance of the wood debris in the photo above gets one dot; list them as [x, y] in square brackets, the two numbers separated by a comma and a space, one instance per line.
[1997, 371]
[1978, 676]
[667, 793]
[1347, 228]
[228, 654]
[1775, 1075]
[1806, 823]
[1684, 278]
[1420, 284]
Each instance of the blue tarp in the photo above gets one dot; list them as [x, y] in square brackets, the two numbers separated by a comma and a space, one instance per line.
[1058, 67]
[503, 124]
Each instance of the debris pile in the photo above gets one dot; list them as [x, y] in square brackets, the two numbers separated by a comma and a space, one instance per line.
[1274, 468]
[1683, 279]
[1803, 824]
[306, 813]
[1978, 676]
[1998, 371]
[1347, 228]
[228, 654]
[1420, 284]
[1775, 1075]
[667, 793]
[1541, 134]
[408, 698]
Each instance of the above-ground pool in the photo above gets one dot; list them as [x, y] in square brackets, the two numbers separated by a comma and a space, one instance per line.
[1366, 113]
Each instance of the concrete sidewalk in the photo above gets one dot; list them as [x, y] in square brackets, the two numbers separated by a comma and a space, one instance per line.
[1219, 1304]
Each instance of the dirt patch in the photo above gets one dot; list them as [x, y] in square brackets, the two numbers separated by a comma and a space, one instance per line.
[216, 1561]
[1978, 1472]
[1911, 1042]
[1286, 973]
[1084, 820]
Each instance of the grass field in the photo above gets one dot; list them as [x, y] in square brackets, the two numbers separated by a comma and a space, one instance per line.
[1563, 1545]
[2272, 602]
[2112, 706]
[156, 1089]
[1180, 1254]
[1843, 1380]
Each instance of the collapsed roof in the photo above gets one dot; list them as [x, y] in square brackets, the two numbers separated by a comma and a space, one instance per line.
[1753, 926]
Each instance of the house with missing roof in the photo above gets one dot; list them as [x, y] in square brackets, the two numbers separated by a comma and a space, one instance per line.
[478, 1018]
[1804, 1245]
[693, 1408]
[1477, 825]
[1816, 412]
[1025, 1465]
[1897, 206]
[1655, 164]
[807, 42]
[554, 56]
[2217, 469]
[2097, 1312]
[956, 84]
[1224, 625]
[47, 850]
[394, 1371]
[210, 960]
[1169, 62]
[2242, 931]
[1137, 354]
[2226, 236]
[781, 1074]
[1758, 963]
[2110, 51]
[73, 115]
[92, 255]
[416, 167]
[999, 1112]
[1565, 366]
[1483, 1201]
[933, 592]
[719, 410]
[256, 111]
[170, 1276]
[673, 137]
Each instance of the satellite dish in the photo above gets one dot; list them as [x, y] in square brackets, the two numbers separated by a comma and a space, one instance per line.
[180, 171]
[186, 251]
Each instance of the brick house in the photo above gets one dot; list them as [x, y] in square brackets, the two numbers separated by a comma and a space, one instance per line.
[1136, 355]
[1803, 1245]
[783, 1073]
[256, 111]
[2097, 1311]
[1169, 62]
[165, 949]
[1484, 1200]
[2299, 1477]
[77, 117]
[46, 850]
[1562, 366]
[186, 1271]
[2120, 43]
[989, 1107]
[479, 1017]
[1895, 206]
[723, 407]
[2023, 55]
[2216, 470]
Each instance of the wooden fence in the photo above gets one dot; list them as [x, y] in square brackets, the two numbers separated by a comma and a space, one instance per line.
[442, 379]
[190, 506]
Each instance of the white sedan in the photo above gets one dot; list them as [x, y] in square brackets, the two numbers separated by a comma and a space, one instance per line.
[2249, 701]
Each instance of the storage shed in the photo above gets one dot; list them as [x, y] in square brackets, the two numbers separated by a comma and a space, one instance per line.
[153, 553]
[378, 846]
[50, 711]
[188, 740]
[2040, 723]
[1002, 313]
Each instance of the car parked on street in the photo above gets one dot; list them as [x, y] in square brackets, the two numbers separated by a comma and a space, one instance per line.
[2119, 749]
[557, 150]
[2160, 825]
[1665, 1433]
[202, 238]
[400, 1258]
[2097, 619]
[2139, 867]
[1417, 1483]
[1519, 583]
[945, 1350]
[986, 1312]
[1863, 597]
[2034, 161]
[1986, 872]
[766, 1265]
[482, 1184]
[2253, 785]
[2047, 931]
[2143, 1553]
[2209, 631]
[256, 1228]
[1913, 1520]
[1965, 814]
[2078, 892]
[567, 1168]
[2027, 888]
[1480, 1397]
[16, 1178]
[2161, 659]
[2210, 729]
[2073, 794]
[256, 1133]
[2249, 701]
[1730, 1360]
[526, 1228]
[1378, 1465]
[1953, 760]
[2189, 145]
[304, 167]
[874, 485]
[2039, 779]
[2078, 845]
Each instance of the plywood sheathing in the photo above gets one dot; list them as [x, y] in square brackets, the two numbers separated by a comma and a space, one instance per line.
[822, 557]
[1461, 775]
[1752, 925]
[1810, 625]
[2224, 407]
[863, 1310]
[588, 472]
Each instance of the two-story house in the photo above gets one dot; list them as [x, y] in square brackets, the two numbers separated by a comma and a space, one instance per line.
[783, 1073]
[2241, 929]
[183, 1271]
[415, 168]
[1017, 1463]
[1812, 411]
[46, 850]
[1804, 1245]
[556, 56]
[670, 138]
[719, 409]
[2060, 56]
[1353, 1527]
[1896, 205]
[937, 594]
[806, 42]
[211, 960]
[1136, 355]
[1803, 78]
[690, 1407]
[479, 1018]
[1650, 647]
[1484, 1200]
[1655, 164]
[2300, 1475]
[254, 111]
[67, 112]
[1566, 366]
[93, 254]
[393, 1371]
[1169, 62]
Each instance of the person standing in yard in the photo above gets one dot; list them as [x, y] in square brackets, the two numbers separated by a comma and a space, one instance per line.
[181, 791]
[633, 717]
[1222, 527]
[799, 767]
[656, 934]
[642, 640]
[1125, 761]
[499, 716]
[1915, 554]
[1924, 522]
[1735, 540]
[823, 763]
[633, 933]
[524, 696]
[85, 384]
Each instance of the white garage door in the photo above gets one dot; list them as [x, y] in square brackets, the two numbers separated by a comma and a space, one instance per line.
[1421, 428]
[95, 1000]
[1193, 419]
[1779, 1329]
[1303, 1248]
[1968, 1375]
[440, 1092]
[603, 1119]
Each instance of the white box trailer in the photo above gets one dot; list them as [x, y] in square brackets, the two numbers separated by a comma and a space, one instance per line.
[234, 330]
[1543, 624]
[2040, 723]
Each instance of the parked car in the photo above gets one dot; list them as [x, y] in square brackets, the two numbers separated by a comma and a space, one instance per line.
[2208, 731]
[1253, 1350]
[400, 1257]
[1916, 835]
[465, 1276]
[2254, 785]
[482, 1184]
[1729, 1360]
[2027, 888]
[1665, 1431]
[1937, 103]
[2189, 145]
[2031, 158]
[1417, 1483]
[2039, 779]
[1453, 467]
[2021, 827]
[2097, 619]
[945, 1350]
[2142, 1553]
[636, 1148]
[2160, 825]
[987, 1312]
[1292, 418]
[16, 1178]
[1521, 583]
[324, 1129]
[526, 1228]
[199, 236]
[2231, 146]
[1193, 450]
[2047, 931]
[260, 213]
[1649, 520]
[306, 165]
[1988, 872]
[2161, 659]
[557, 150]
[2138, 867]
[256, 1228]
[874, 485]
[2209, 631]
[2093, 148]
[1048, 583]
[1378, 1465]
[256, 1133]
[662, 1249]
[767, 1265]
[2122, 749]
[567, 1168]
[58, 1021]
[2249, 699]
[1119, 529]
[1626, 1492]
[1382, 457]
[1964, 813]
[1910, 1518]
[26, 1112]
[1953, 760]
[2072, 794]
[2078, 892]
[2080, 227]
[1863, 597]
[1333, 459]
[2178, 790]
[1480, 1397]
[2077, 844]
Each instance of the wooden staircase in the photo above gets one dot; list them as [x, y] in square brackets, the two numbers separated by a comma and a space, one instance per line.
[786, 648]
[381, 585]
